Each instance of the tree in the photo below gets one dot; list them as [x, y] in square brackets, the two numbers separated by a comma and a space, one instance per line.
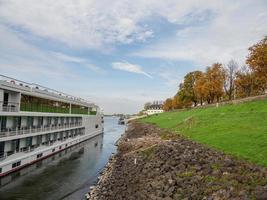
[167, 105]
[230, 74]
[215, 79]
[146, 106]
[245, 82]
[201, 88]
[176, 102]
[190, 80]
[184, 101]
[257, 61]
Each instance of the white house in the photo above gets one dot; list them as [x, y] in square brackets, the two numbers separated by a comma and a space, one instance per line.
[154, 109]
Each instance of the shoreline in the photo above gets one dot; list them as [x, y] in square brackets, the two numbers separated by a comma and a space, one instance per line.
[152, 163]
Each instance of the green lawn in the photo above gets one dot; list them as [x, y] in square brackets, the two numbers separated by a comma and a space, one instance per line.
[239, 130]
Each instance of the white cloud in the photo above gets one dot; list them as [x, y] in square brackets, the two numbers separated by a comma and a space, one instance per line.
[171, 77]
[68, 58]
[95, 23]
[125, 66]
[83, 23]
[235, 26]
[21, 58]
[26, 60]
[102, 24]
[74, 59]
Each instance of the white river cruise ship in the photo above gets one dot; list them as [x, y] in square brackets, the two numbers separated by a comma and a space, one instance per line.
[37, 122]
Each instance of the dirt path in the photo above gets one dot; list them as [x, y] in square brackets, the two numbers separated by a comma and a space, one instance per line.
[152, 163]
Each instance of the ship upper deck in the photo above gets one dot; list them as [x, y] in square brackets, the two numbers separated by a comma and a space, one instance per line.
[37, 90]
[22, 96]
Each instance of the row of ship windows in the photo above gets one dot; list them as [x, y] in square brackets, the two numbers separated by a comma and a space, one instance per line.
[80, 132]
[30, 121]
[17, 164]
[50, 138]
[46, 139]
[37, 104]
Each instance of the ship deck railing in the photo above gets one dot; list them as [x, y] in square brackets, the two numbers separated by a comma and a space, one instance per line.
[18, 153]
[9, 106]
[22, 131]
[33, 107]
[37, 87]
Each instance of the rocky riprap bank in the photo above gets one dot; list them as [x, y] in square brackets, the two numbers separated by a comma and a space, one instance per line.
[152, 163]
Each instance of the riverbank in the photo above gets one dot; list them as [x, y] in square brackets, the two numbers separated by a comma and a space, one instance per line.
[153, 163]
[238, 128]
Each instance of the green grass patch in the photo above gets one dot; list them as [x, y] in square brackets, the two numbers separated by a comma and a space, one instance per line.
[239, 130]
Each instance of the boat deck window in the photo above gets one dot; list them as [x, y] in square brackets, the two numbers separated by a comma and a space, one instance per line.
[16, 164]
[39, 155]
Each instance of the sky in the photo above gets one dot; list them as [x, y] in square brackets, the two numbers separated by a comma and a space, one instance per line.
[123, 53]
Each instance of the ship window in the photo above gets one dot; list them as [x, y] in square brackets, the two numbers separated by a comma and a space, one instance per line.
[96, 126]
[0, 170]
[16, 164]
[3, 123]
[53, 150]
[2, 147]
[36, 104]
[60, 147]
[39, 155]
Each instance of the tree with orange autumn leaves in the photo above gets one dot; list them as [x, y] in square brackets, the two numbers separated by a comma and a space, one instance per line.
[257, 61]
[167, 104]
[220, 82]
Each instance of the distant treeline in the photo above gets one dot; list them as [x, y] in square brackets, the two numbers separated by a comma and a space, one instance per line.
[224, 82]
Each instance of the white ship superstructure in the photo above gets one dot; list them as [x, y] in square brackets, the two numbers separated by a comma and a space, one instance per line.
[37, 122]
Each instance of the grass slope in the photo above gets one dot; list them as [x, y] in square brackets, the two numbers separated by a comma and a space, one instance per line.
[239, 130]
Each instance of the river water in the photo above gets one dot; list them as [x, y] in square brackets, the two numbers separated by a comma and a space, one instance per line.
[66, 175]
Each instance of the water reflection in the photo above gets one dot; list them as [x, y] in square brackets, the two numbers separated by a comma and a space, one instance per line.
[66, 175]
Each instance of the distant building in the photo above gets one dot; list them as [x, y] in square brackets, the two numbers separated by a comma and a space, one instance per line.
[155, 108]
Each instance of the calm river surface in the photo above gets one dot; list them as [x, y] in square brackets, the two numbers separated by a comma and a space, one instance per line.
[67, 175]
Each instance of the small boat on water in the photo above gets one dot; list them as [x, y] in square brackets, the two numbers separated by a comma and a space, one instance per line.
[121, 121]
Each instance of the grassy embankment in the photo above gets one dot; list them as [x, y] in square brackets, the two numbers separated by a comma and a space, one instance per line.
[239, 130]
